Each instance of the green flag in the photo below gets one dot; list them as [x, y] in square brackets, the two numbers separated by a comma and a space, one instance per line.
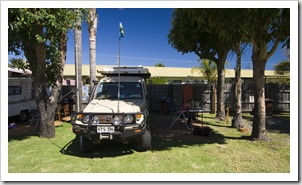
[122, 34]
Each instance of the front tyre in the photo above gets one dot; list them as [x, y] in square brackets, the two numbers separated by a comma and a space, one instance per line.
[143, 143]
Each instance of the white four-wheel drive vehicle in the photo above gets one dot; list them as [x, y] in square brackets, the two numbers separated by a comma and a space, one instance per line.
[118, 110]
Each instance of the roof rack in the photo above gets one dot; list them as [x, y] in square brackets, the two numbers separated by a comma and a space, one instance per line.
[126, 71]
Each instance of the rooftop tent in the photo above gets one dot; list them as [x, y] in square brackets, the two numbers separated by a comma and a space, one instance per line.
[126, 71]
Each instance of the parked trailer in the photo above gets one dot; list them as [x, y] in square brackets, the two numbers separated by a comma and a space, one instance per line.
[20, 99]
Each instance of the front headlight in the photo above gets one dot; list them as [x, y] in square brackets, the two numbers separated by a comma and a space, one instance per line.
[76, 117]
[116, 121]
[95, 120]
[139, 117]
[86, 119]
[128, 118]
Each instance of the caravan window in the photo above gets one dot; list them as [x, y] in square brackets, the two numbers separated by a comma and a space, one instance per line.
[14, 90]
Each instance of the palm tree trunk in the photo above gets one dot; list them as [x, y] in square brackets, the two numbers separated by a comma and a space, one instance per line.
[92, 44]
[78, 61]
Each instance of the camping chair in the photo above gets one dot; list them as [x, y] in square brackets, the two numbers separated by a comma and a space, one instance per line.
[172, 107]
[34, 118]
[177, 112]
[181, 113]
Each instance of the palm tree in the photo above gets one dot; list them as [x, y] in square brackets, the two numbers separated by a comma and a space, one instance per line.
[208, 69]
[159, 65]
[18, 63]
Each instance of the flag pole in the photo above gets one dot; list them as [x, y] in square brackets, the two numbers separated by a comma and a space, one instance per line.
[119, 75]
[121, 35]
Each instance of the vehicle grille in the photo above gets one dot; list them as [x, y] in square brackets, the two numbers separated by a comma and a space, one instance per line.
[107, 119]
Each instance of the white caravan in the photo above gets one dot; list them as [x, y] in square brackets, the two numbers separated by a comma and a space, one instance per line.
[20, 99]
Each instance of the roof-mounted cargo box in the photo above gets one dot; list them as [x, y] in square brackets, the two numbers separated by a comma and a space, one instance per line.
[126, 71]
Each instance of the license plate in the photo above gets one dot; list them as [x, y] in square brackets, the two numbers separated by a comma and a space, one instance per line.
[106, 129]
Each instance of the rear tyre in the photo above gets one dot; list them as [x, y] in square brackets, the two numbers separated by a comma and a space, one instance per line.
[85, 144]
[144, 142]
[23, 116]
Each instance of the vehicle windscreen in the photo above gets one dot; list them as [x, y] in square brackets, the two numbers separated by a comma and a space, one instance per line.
[128, 90]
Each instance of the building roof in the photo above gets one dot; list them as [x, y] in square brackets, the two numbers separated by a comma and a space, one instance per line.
[165, 72]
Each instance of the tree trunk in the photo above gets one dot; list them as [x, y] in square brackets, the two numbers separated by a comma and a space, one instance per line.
[213, 99]
[45, 106]
[78, 64]
[237, 118]
[92, 45]
[46, 101]
[220, 85]
[259, 58]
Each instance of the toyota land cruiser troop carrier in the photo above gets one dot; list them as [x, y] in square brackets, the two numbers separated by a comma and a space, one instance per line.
[118, 110]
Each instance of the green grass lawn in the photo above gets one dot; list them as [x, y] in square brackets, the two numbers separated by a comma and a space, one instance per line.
[175, 150]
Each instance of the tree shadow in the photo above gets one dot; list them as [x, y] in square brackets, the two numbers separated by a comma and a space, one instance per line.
[219, 124]
[278, 123]
[243, 137]
[24, 131]
[165, 138]
[248, 117]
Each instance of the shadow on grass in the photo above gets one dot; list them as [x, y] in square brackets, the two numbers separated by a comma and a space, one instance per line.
[163, 138]
[219, 124]
[179, 135]
[248, 117]
[278, 123]
[24, 131]
[102, 150]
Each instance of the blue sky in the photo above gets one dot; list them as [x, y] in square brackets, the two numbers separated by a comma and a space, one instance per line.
[145, 42]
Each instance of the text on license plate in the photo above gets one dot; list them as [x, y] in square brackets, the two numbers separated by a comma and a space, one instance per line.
[105, 129]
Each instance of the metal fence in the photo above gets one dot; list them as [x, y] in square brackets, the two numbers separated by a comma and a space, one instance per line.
[203, 95]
